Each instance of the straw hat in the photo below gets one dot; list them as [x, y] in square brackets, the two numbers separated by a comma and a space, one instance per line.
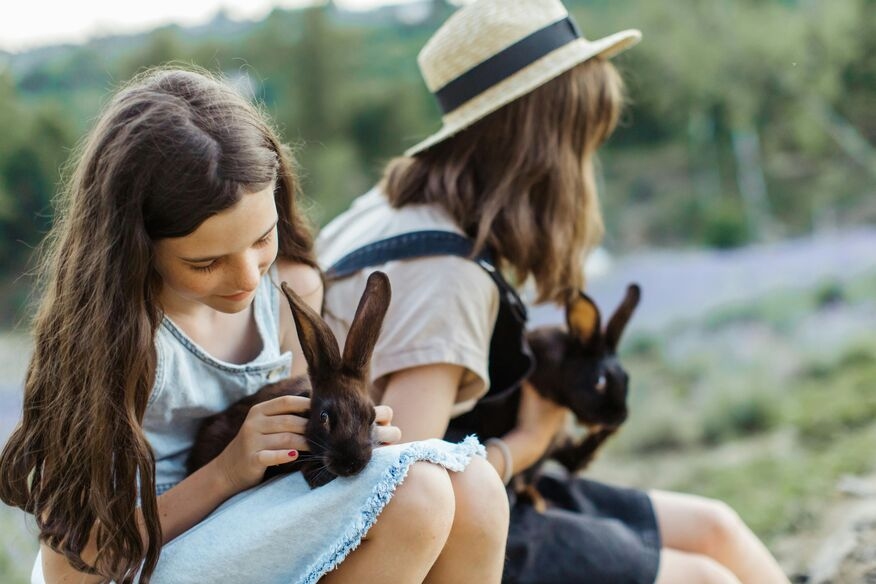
[491, 52]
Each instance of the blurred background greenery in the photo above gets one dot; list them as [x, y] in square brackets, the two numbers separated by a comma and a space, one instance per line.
[751, 122]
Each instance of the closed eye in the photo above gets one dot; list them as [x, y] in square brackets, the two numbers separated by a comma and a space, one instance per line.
[261, 242]
[265, 240]
[208, 268]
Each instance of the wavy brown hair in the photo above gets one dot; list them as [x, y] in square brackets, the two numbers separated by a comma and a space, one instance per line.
[520, 180]
[171, 149]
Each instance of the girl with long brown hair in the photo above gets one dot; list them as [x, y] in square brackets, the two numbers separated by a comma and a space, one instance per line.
[159, 308]
[527, 102]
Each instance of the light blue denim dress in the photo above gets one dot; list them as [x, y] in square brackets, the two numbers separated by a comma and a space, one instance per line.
[281, 531]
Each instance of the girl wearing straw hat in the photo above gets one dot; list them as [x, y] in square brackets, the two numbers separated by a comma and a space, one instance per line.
[508, 181]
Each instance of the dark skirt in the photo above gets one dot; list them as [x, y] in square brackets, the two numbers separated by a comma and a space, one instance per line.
[591, 532]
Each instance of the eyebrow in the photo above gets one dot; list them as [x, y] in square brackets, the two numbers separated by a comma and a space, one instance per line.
[211, 258]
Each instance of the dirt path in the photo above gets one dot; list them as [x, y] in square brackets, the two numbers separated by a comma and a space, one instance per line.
[843, 549]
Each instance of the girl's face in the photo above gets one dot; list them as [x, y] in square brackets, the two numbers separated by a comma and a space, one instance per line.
[220, 264]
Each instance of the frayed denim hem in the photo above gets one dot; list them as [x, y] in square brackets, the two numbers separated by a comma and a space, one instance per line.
[454, 458]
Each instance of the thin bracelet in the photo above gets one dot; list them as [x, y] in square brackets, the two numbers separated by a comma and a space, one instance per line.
[506, 457]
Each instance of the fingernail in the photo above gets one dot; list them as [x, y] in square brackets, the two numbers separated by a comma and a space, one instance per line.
[293, 454]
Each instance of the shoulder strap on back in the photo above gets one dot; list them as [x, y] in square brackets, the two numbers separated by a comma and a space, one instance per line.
[510, 358]
[425, 243]
[405, 246]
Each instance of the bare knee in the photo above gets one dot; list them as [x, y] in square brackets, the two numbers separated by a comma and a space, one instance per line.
[481, 503]
[422, 508]
[678, 566]
[722, 527]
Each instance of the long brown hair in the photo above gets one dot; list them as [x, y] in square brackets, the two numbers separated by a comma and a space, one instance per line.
[171, 149]
[521, 179]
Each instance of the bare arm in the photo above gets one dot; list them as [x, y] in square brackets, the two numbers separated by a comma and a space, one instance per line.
[179, 509]
[422, 398]
[269, 436]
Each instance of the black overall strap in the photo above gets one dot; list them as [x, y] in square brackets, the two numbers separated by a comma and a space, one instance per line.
[510, 356]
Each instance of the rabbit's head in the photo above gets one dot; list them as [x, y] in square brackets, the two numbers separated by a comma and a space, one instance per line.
[581, 370]
[341, 412]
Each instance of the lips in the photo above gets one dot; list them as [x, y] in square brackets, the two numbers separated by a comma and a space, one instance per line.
[237, 297]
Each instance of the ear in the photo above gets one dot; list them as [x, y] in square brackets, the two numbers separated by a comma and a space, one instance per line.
[317, 341]
[582, 317]
[365, 328]
[621, 316]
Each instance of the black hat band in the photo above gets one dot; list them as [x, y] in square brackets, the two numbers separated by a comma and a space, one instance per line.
[505, 63]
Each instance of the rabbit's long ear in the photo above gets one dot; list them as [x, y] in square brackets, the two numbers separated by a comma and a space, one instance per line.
[621, 317]
[582, 317]
[365, 327]
[317, 341]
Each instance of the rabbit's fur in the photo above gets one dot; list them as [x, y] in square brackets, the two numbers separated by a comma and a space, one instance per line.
[578, 368]
[339, 426]
[575, 366]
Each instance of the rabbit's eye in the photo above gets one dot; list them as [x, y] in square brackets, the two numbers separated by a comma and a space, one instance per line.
[600, 384]
[324, 418]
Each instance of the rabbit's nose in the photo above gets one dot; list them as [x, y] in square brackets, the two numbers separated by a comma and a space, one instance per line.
[350, 467]
[355, 467]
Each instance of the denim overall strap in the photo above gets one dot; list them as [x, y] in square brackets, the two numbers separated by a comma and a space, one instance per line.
[511, 359]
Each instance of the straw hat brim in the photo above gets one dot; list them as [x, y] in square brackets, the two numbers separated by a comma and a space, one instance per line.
[522, 82]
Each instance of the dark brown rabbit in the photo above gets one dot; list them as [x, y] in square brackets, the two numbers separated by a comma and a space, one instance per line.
[339, 426]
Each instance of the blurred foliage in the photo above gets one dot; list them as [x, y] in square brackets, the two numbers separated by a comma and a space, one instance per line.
[749, 120]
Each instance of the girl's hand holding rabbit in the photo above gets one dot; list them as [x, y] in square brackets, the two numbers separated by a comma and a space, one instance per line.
[539, 418]
[538, 421]
[384, 432]
[273, 433]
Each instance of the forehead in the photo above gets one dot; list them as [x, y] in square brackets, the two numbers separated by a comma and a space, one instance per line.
[231, 230]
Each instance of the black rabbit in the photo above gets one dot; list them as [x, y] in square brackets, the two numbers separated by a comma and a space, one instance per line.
[575, 366]
[339, 426]
[578, 368]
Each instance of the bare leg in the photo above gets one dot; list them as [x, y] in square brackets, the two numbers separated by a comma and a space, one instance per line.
[409, 534]
[475, 550]
[697, 525]
[676, 566]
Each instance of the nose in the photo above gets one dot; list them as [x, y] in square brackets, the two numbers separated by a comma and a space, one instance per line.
[247, 274]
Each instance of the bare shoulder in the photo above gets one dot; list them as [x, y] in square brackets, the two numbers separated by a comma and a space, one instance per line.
[55, 568]
[305, 280]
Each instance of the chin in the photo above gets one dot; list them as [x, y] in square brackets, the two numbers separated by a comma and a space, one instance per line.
[231, 306]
